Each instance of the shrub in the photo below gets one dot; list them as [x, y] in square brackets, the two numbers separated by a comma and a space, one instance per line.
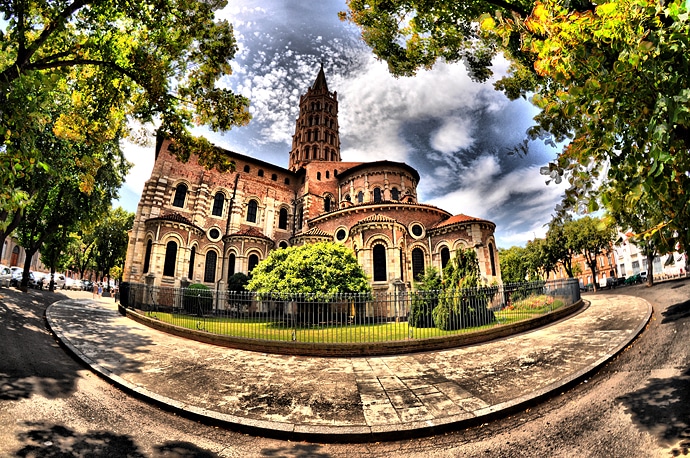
[197, 299]
[425, 299]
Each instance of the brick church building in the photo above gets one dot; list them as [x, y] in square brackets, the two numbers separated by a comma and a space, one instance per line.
[201, 226]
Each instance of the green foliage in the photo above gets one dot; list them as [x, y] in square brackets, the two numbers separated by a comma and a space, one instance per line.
[112, 238]
[513, 266]
[197, 299]
[462, 302]
[83, 70]
[321, 269]
[610, 79]
[238, 282]
[425, 299]
[116, 273]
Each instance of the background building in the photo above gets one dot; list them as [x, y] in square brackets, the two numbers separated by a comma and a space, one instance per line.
[201, 226]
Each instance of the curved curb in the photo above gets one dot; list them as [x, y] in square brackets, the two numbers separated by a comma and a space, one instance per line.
[324, 433]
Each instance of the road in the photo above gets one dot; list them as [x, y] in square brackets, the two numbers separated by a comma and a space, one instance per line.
[636, 406]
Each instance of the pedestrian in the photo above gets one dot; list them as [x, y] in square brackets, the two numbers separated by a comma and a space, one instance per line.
[100, 289]
[95, 290]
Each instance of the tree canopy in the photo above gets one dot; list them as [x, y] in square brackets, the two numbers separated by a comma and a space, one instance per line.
[83, 69]
[323, 268]
[611, 79]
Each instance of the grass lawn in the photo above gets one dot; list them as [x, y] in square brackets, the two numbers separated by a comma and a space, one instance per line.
[345, 333]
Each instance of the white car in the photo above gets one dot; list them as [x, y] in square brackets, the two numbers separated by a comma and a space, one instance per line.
[5, 276]
[58, 279]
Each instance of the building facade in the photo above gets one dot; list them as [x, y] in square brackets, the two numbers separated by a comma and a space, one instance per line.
[201, 226]
[631, 261]
[13, 254]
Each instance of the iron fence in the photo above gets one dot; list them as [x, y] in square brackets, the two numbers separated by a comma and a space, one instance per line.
[349, 318]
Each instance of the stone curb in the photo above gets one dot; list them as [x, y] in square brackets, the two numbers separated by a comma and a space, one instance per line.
[325, 433]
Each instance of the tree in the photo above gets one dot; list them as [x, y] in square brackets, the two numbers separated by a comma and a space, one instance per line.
[321, 269]
[513, 265]
[559, 240]
[540, 259]
[610, 79]
[82, 69]
[81, 248]
[54, 254]
[591, 237]
[427, 292]
[111, 235]
[463, 303]
[652, 240]
[60, 202]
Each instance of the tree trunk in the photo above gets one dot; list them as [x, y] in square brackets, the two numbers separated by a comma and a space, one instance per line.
[650, 270]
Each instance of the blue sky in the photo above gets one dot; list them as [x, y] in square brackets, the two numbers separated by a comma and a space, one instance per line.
[458, 134]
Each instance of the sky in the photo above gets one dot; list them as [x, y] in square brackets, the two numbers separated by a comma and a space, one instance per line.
[457, 133]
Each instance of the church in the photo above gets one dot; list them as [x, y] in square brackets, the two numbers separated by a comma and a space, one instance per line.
[195, 225]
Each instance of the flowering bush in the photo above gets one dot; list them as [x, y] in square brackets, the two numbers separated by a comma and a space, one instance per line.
[532, 303]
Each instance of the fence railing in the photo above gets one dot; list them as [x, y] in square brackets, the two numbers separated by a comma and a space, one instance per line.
[349, 318]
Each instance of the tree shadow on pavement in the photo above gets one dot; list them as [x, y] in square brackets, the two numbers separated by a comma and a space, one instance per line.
[31, 362]
[53, 441]
[47, 440]
[297, 451]
[676, 312]
[662, 408]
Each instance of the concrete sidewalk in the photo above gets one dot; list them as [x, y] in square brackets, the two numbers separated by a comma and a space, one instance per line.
[347, 399]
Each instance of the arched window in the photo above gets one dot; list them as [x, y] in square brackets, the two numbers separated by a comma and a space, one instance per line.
[360, 197]
[395, 194]
[246, 169]
[417, 263]
[218, 203]
[445, 257]
[328, 174]
[318, 176]
[287, 181]
[327, 204]
[300, 219]
[260, 173]
[379, 253]
[170, 259]
[231, 264]
[283, 244]
[180, 195]
[306, 152]
[347, 197]
[147, 256]
[274, 177]
[192, 255]
[491, 258]
[377, 195]
[210, 268]
[252, 208]
[253, 261]
[283, 219]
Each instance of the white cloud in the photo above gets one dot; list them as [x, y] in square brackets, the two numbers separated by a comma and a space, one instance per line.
[455, 134]
[142, 157]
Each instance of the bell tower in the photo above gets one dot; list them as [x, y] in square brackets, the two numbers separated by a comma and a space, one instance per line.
[316, 135]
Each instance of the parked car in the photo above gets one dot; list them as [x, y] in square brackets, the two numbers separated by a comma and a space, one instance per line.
[633, 279]
[36, 280]
[58, 279]
[16, 276]
[77, 285]
[5, 276]
[87, 285]
[643, 276]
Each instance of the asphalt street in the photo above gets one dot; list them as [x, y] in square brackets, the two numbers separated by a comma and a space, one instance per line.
[637, 405]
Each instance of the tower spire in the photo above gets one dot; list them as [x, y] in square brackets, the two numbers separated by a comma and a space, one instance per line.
[316, 135]
[320, 83]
